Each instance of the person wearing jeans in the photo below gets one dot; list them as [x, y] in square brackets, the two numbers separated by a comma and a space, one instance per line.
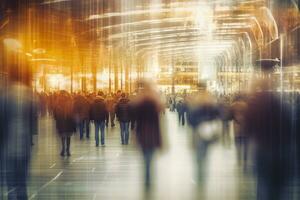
[99, 114]
[124, 132]
[85, 124]
[100, 126]
[123, 115]
[81, 129]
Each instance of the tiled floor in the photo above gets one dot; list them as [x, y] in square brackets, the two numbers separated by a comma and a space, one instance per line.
[116, 171]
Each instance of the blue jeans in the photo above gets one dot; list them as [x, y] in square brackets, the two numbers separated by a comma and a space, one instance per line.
[124, 132]
[81, 129]
[101, 126]
[84, 124]
[87, 126]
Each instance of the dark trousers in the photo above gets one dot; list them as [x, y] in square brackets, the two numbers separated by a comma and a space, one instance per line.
[112, 116]
[100, 126]
[85, 124]
[273, 174]
[225, 132]
[132, 124]
[241, 143]
[202, 149]
[16, 177]
[181, 118]
[148, 156]
[65, 141]
[124, 132]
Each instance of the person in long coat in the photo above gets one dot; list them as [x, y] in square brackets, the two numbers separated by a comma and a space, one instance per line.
[65, 121]
[147, 108]
[82, 113]
[18, 122]
[268, 125]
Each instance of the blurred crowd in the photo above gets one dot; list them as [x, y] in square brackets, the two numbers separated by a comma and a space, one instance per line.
[265, 127]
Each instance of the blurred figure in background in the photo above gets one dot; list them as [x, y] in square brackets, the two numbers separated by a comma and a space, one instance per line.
[123, 115]
[110, 102]
[268, 124]
[296, 134]
[226, 117]
[164, 101]
[43, 104]
[65, 121]
[99, 114]
[147, 107]
[204, 117]
[19, 122]
[3, 129]
[172, 103]
[132, 114]
[181, 110]
[81, 113]
[238, 110]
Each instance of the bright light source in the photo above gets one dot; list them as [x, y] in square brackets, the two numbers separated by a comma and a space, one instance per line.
[104, 76]
[56, 81]
[12, 44]
[43, 59]
[39, 51]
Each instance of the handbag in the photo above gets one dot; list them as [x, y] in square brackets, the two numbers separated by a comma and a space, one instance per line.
[209, 130]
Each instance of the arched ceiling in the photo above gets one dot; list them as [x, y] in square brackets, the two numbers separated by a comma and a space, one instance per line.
[164, 30]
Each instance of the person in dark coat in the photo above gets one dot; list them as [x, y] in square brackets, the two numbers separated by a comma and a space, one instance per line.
[3, 128]
[238, 109]
[147, 108]
[99, 114]
[203, 117]
[65, 121]
[132, 114]
[268, 125]
[181, 109]
[81, 113]
[123, 115]
[18, 121]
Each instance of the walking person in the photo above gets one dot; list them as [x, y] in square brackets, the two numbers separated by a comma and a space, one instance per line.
[238, 109]
[181, 110]
[111, 103]
[123, 115]
[147, 108]
[99, 114]
[18, 124]
[65, 121]
[204, 119]
[81, 113]
[268, 125]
